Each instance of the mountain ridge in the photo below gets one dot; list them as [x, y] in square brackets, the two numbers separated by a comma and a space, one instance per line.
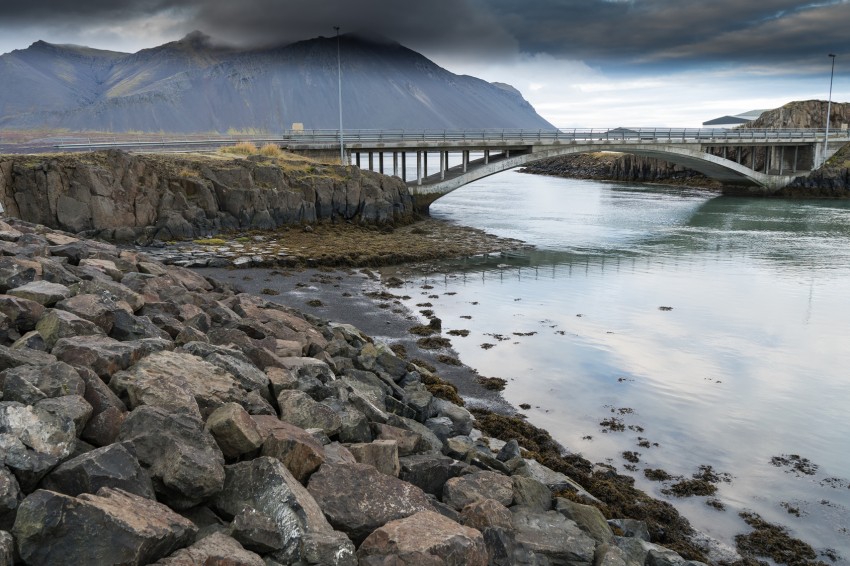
[197, 85]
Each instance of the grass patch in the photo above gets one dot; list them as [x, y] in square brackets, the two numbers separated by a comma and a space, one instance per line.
[210, 242]
[241, 148]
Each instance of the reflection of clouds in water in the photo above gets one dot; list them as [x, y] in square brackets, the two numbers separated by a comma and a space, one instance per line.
[758, 290]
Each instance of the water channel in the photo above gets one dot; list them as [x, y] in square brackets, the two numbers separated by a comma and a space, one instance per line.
[715, 329]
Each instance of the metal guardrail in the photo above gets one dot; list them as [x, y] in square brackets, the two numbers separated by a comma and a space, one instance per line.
[330, 138]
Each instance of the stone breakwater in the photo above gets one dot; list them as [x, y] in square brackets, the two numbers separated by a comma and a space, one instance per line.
[140, 198]
[151, 415]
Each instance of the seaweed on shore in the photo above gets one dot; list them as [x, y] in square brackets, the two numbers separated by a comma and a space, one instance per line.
[441, 388]
[617, 493]
[773, 541]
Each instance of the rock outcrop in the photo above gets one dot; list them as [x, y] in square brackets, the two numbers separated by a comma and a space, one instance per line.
[126, 198]
[139, 450]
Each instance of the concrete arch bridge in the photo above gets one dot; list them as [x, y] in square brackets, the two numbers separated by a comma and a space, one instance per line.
[767, 158]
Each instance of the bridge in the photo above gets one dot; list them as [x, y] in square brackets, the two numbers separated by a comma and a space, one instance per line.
[770, 158]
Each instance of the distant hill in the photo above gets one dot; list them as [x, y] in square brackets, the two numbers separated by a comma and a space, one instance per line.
[194, 85]
[803, 114]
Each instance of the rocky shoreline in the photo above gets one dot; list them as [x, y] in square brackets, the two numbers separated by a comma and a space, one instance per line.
[149, 414]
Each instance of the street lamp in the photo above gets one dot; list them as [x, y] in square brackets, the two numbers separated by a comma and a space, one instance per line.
[339, 82]
[828, 108]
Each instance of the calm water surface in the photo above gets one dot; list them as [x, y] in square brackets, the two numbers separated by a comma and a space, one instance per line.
[752, 361]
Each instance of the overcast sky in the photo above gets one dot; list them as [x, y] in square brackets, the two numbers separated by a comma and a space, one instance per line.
[579, 62]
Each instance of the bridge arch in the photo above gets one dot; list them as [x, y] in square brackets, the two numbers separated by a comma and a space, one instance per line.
[715, 167]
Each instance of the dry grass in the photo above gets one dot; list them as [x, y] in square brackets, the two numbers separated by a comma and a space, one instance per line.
[271, 150]
[241, 148]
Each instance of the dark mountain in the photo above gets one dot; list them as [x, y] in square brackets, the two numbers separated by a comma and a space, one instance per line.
[195, 85]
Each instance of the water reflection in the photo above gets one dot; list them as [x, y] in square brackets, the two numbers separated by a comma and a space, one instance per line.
[750, 362]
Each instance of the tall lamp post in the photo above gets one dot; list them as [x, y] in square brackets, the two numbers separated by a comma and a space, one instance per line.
[828, 108]
[339, 82]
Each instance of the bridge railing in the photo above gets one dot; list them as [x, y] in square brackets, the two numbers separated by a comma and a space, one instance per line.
[499, 136]
[523, 137]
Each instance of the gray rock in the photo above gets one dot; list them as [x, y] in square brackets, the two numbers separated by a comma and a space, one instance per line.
[57, 324]
[10, 358]
[52, 528]
[408, 442]
[434, 444]
[111, 466]
[267, 487]
[111, 289]
[104, 427]
[218, 548]
[442, 427]
[461, 418]
[234, 430]
[495, 523]
[550, 538]
[429, 472]
[588, 518]
[357, 498]
[183, 460]
[610, 555]
[533, 494]
[10, 498]
[556, 481]
[96, 309]
[73, 407]
[32, 441]
[509, 451]
[15, 272]
[42, 292]
[104, 355]
[29, 384]
[178, 382]
[30, 341]
[299, 409]
[382, 454]
[425, 538]
[7, 548]
[23, 313]
[127, 326]
[461, 491]
[294, 447]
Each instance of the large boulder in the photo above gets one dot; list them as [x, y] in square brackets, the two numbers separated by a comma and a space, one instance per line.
[234, 430]
[263, 491]
[218, 549]
[495, 522]
[104, 355]
[299, 409]
[177, 382]
[550, 538]
[32, 441]
[111, 466]
[57, 324]
[421, 538]
[10, 498]
[183, 460]
[42, 292]
[357, 498]
[30, 384]
[23, 313]
[112, 527]
[298, 450]
[461, 491]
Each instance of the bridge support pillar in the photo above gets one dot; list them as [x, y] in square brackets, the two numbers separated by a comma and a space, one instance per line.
[371, 163]
[465, 159]
[381, 162]
[781, 159]
[486, 156]
[404, 166]
[443, 156]
[424, 163]
[395, 163]
[357, 159]
[796, 148]
[419, 168]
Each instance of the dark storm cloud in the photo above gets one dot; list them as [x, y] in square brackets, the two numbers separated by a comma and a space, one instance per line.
[599, 31]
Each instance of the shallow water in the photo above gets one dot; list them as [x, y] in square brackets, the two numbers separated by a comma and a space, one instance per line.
[750, 361]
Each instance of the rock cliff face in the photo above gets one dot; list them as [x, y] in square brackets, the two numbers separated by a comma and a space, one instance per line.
[804, 114]
[128, 198]
[619, 167]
